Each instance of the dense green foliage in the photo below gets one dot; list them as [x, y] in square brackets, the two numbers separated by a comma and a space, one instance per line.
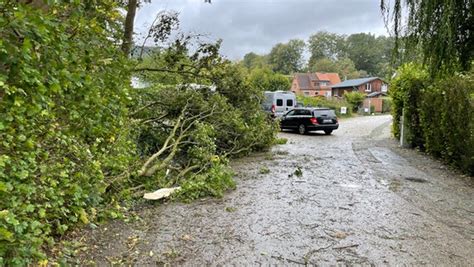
[217, 122]
[439, 115]
[441, 29]
[406, 91]
[63, 130]
[252, 60]
[326, 45]
[267, 80]
[352, 56]
[74, 136]
[287, 58]
[343, 66]
[367, 53]
[355, 99]
[334, 103]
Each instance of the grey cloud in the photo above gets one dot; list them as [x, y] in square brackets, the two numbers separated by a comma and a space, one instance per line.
[257, 25]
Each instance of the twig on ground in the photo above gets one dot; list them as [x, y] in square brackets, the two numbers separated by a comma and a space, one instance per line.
[349, 246]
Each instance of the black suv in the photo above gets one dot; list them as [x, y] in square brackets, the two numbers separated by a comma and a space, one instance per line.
[310, 119]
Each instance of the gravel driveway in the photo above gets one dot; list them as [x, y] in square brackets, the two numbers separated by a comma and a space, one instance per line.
[352, 197]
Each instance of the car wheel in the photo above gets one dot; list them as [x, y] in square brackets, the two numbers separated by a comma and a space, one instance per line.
[302, 129]
[328, 132]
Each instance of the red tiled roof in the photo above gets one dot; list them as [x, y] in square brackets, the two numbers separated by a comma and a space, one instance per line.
[333, 78]
[306, 80]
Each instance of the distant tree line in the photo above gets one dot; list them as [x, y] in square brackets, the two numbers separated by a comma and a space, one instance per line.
[352, 56]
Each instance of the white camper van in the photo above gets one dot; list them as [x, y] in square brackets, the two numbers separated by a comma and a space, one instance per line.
[279, 102]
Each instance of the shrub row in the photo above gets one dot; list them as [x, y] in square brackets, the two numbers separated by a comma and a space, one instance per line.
[439, 114]
[333, 103]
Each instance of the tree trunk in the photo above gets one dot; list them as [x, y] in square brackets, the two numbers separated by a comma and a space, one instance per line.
[128, 32]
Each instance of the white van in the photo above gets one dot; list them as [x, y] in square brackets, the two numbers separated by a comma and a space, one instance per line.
[278, 103]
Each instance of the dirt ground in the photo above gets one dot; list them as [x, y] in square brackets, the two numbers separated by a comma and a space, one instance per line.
[353, 197]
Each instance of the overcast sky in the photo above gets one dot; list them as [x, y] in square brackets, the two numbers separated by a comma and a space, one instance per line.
[257, 25]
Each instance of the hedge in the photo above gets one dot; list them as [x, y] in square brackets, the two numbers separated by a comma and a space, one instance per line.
[439, 114]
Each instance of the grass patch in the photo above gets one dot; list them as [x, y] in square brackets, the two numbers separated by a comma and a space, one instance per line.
[264, 170]
[281, 141]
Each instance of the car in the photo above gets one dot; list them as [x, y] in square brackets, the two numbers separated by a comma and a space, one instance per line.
[278, 103]
[304, 120]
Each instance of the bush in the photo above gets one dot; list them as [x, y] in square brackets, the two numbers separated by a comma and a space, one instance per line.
[333, 103]
[63, 130]
[68, 142]
[355, 99]
[406, 92]
[439, 116]
[447, 115]
[386, 105]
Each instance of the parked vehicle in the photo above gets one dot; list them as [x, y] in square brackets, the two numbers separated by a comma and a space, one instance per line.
[279, 102]
[304, 120]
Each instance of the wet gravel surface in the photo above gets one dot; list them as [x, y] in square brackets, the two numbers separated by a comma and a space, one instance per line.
[353, 197]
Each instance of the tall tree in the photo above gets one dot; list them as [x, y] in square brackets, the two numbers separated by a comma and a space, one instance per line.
[131, 10]
[252, 60]
[287, 58]
[443, 29]
[361, 49]
[128, 26]
[343, 66]
[266, 80]
[326, 45]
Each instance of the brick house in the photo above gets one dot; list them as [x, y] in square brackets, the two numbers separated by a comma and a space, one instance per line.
[373, 87]
[363, 85]
[314, 84]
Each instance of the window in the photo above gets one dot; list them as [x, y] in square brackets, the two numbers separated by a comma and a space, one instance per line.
[279, 102]
[316, 93]
[368, 87]
[302, 112]
[290, 113]
[384, 88]
[324, 112]
[323, 84]
[289, 102]
[306, 93]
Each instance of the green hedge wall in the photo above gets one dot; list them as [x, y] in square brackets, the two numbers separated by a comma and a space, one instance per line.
[439, 114]
[63, 96]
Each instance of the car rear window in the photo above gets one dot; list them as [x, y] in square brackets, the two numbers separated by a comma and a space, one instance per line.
[289, 102]
[302, 112]
[279, 102]
[324, 112]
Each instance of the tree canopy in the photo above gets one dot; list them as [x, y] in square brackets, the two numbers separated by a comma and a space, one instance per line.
[287, 58]
[443, 30]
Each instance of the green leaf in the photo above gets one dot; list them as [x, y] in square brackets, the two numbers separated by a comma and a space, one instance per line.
[55, 88]
[6, 235]
[4, 187]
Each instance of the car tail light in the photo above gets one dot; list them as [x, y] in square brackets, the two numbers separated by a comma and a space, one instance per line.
[273, 108]
[314, 120]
